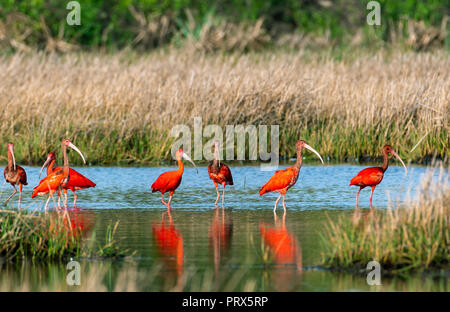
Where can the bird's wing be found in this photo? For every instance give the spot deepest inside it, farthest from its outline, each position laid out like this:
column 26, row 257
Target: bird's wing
column 280, row 180
column 368, row 176
column 50, row 182
column 78, row 180
column 226, row 172
column 166, row 181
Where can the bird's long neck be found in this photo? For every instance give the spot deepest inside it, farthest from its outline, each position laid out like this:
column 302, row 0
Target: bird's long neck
column 298, row 164
column 180, row 166
column 66, row 160
column 10, row 160
column 215, row 163
column 386, row 161
column 50, row 167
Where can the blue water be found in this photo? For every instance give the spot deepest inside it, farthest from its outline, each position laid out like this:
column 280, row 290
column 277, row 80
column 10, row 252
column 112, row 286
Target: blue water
column 318, row 187
column 322, row 193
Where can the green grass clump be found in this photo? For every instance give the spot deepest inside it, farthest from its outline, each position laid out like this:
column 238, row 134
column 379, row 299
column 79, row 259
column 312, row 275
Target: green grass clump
column 405, row 239
column 24, row 235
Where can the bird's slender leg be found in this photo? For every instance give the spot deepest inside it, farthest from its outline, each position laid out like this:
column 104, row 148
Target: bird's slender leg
column 218, row 194
column 223, row 196
column 59, row 198
column 162, row 200
column 357, row 196
column 284, row 205
column 74, row 199
column 15, row 191
column 50, row 195
column 65, row 197
column 371, row 195
column 46, row 204
column 276, row 204
column 170, row 199
column 20, row 193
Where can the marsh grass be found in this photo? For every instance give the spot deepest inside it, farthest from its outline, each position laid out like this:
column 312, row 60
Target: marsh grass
column 404, row 239
column 120, row 108
column 26, row 235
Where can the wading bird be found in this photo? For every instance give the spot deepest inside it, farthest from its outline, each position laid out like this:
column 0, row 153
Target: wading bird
column 219, row 173
column 15, row 175
column 284, row 179
column 372, row 176
column 76, row 182
column 58, row 178
column 170, row 180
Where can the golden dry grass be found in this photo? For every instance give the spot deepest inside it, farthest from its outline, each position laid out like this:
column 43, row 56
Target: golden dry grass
column 121, row 107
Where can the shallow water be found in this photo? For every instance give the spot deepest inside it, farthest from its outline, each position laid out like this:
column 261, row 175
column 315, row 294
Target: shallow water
column 239, row 248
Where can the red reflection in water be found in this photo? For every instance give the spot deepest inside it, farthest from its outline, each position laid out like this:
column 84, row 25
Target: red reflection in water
column 76, row 222
column 285, row 251
column 169, row 243
column 220, row 234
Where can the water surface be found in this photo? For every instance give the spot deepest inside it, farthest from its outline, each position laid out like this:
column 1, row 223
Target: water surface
column 241, row 247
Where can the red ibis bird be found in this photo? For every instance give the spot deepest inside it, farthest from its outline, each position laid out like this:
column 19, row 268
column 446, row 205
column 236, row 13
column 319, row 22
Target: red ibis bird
column 170, row 180
column 219, row 173
column 76, row 182
column 284, row 179
column 14, row 174
column 58, row 179
column 372, row 176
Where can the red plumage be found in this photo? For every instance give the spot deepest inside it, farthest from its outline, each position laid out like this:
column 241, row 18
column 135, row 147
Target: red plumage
column 281, row 181
column 220, row 174
column 50, row 183
column 19, row 176
column 368, row 177
column 77, row 181
column 167, row 182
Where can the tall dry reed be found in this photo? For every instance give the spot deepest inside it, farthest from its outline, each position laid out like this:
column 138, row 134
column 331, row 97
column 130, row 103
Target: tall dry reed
column 121, row 107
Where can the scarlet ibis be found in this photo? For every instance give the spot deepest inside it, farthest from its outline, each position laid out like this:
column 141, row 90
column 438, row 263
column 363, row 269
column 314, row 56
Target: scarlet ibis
column 372, row 176
column 284, row 179
column 76, row 182
column 14, row 174
column 219, row 173
column 58, row 178
column 170, row 180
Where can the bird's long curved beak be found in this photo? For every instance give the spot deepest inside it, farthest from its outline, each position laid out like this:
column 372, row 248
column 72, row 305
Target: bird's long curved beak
column 314, row 151
column 77, row 150
column 185, row 156
column 43, row 166
column 398, row 157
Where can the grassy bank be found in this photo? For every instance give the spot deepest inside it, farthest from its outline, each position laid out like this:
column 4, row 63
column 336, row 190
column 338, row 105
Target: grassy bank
column 405, row 239
column 121, row 107
column 58, row 236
